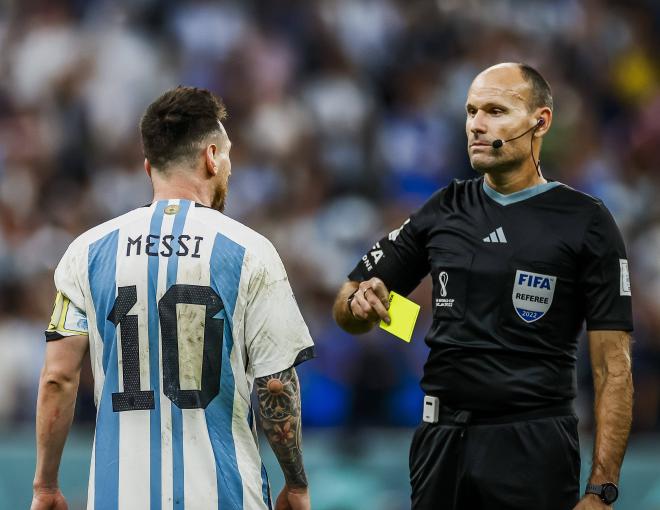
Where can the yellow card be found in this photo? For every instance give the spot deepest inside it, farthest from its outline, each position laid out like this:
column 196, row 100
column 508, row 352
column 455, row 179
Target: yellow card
column 403, row 315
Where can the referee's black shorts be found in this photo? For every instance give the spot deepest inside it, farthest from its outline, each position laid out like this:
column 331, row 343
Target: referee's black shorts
column 521, row 462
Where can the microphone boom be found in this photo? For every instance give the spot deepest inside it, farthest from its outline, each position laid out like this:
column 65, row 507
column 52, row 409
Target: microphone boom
column 497, row 144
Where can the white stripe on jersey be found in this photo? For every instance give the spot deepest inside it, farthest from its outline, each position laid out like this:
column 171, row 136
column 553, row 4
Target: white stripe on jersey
column 134, row 434
column 134, row 454
column 247, row 456
column 200, row 486
column 166, row 450
column 166, row 460
column 90, row 484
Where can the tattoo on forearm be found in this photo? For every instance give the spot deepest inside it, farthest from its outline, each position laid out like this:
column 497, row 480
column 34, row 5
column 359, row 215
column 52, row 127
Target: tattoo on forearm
column 279, row 408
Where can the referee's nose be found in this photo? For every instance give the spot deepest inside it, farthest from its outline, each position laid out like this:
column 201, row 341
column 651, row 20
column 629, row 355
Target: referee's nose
column 477, row 124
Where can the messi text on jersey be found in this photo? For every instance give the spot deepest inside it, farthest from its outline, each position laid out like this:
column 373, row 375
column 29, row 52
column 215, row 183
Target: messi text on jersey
column 166, row 246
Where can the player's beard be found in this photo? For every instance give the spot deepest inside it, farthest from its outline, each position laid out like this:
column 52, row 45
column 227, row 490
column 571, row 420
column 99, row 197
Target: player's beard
column 220, row 197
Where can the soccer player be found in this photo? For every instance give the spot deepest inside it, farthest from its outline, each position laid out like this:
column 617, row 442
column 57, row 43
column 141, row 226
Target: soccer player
column 183, row 311
column 518, row 264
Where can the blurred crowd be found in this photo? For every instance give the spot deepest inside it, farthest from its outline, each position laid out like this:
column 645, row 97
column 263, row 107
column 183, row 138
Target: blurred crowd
column 345, row 115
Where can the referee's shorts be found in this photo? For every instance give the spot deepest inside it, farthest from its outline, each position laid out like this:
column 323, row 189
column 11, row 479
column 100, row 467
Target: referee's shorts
column 524, row 461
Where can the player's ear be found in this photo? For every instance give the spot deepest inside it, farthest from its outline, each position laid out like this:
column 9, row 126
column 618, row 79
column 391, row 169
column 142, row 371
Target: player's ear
column 210, row 158
column 147, row 167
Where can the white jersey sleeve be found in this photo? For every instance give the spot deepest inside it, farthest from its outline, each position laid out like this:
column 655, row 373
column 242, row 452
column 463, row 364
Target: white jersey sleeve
column 68, row 317
column 276, row 335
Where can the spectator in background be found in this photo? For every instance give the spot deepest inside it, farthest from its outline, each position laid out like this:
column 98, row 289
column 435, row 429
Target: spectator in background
column 392, row 73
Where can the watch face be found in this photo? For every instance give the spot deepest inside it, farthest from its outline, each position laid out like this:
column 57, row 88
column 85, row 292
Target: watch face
column 610, row 493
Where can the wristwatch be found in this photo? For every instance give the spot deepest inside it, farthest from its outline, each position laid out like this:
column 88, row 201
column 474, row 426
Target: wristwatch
column 608, row 492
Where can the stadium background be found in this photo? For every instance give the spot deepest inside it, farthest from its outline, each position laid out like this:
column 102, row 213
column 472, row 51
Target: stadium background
column 345, row 115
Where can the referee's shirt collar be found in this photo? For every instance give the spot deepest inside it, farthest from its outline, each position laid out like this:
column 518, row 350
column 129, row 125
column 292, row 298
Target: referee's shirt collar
column 518, row 196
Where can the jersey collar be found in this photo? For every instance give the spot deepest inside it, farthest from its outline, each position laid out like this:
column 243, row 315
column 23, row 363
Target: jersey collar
column 518, row 196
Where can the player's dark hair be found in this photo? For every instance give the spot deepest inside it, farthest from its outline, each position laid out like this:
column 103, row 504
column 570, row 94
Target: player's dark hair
column 175, row 124
column 541, row 92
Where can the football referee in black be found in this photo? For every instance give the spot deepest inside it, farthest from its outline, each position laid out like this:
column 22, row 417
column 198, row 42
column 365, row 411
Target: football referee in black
column 518, row 264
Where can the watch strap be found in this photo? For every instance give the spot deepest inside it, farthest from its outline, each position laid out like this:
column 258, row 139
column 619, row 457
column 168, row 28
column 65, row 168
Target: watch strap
column 604, row 492
column 593, row 488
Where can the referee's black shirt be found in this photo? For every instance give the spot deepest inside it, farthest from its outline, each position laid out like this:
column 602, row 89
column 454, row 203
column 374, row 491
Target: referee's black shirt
column 514, row 276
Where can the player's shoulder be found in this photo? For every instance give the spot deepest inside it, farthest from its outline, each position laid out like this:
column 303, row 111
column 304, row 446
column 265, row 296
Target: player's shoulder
column 83, row 241
column 253, row 242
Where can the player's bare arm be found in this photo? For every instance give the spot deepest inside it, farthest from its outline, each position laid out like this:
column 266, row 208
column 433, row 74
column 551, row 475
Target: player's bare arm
column 613, row 388
column 367, row 306
column 58, row 387
column 279, row 409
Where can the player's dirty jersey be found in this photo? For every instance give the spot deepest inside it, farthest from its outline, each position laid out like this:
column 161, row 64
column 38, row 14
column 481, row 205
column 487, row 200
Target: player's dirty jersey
column 514, row 278
column 184, row 308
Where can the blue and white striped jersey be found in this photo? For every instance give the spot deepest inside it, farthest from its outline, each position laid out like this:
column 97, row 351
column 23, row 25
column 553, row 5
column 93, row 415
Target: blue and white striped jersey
column 184, row 308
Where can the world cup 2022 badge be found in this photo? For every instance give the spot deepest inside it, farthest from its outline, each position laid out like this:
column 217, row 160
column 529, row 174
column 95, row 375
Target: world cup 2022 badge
column 532, row 294
column 443, row 301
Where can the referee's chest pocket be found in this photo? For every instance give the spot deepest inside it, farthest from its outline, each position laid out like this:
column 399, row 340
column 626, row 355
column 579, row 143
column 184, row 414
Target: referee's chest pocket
column 451, row 273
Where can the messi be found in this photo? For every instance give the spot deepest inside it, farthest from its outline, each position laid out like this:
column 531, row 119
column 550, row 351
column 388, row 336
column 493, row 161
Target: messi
column 165, row 246
column 536, row 281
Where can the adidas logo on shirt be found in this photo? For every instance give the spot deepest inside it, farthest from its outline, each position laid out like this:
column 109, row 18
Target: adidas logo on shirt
column 496, row 236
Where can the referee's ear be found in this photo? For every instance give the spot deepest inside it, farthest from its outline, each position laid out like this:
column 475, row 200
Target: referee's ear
column 544, row 113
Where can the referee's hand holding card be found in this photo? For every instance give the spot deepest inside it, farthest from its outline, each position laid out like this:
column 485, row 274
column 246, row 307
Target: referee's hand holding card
column 371, row 301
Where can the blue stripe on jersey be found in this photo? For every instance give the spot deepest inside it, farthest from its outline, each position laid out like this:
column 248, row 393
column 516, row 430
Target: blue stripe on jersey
column 226, row 265
column 265, row 488
column 102, row 266
column 102, row 263
column 177, row 417
column 155, row 472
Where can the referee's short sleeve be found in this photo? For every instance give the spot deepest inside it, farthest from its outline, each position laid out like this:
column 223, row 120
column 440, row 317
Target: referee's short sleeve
column 399, row 258
column 604, row 275
column 276, row 335
column 68, row 317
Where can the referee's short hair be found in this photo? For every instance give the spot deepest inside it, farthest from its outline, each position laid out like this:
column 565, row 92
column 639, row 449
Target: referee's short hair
column 541, row 92
column 175, row 124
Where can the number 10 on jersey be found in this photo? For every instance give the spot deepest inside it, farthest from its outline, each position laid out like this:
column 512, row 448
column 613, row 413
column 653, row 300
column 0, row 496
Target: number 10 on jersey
column 209, row 349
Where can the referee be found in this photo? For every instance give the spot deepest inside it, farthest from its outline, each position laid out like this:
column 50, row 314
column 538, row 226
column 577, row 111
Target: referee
column 518, row 264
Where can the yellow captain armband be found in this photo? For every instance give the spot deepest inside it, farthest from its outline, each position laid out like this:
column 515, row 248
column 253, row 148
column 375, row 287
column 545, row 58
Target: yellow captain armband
column 66, row 319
